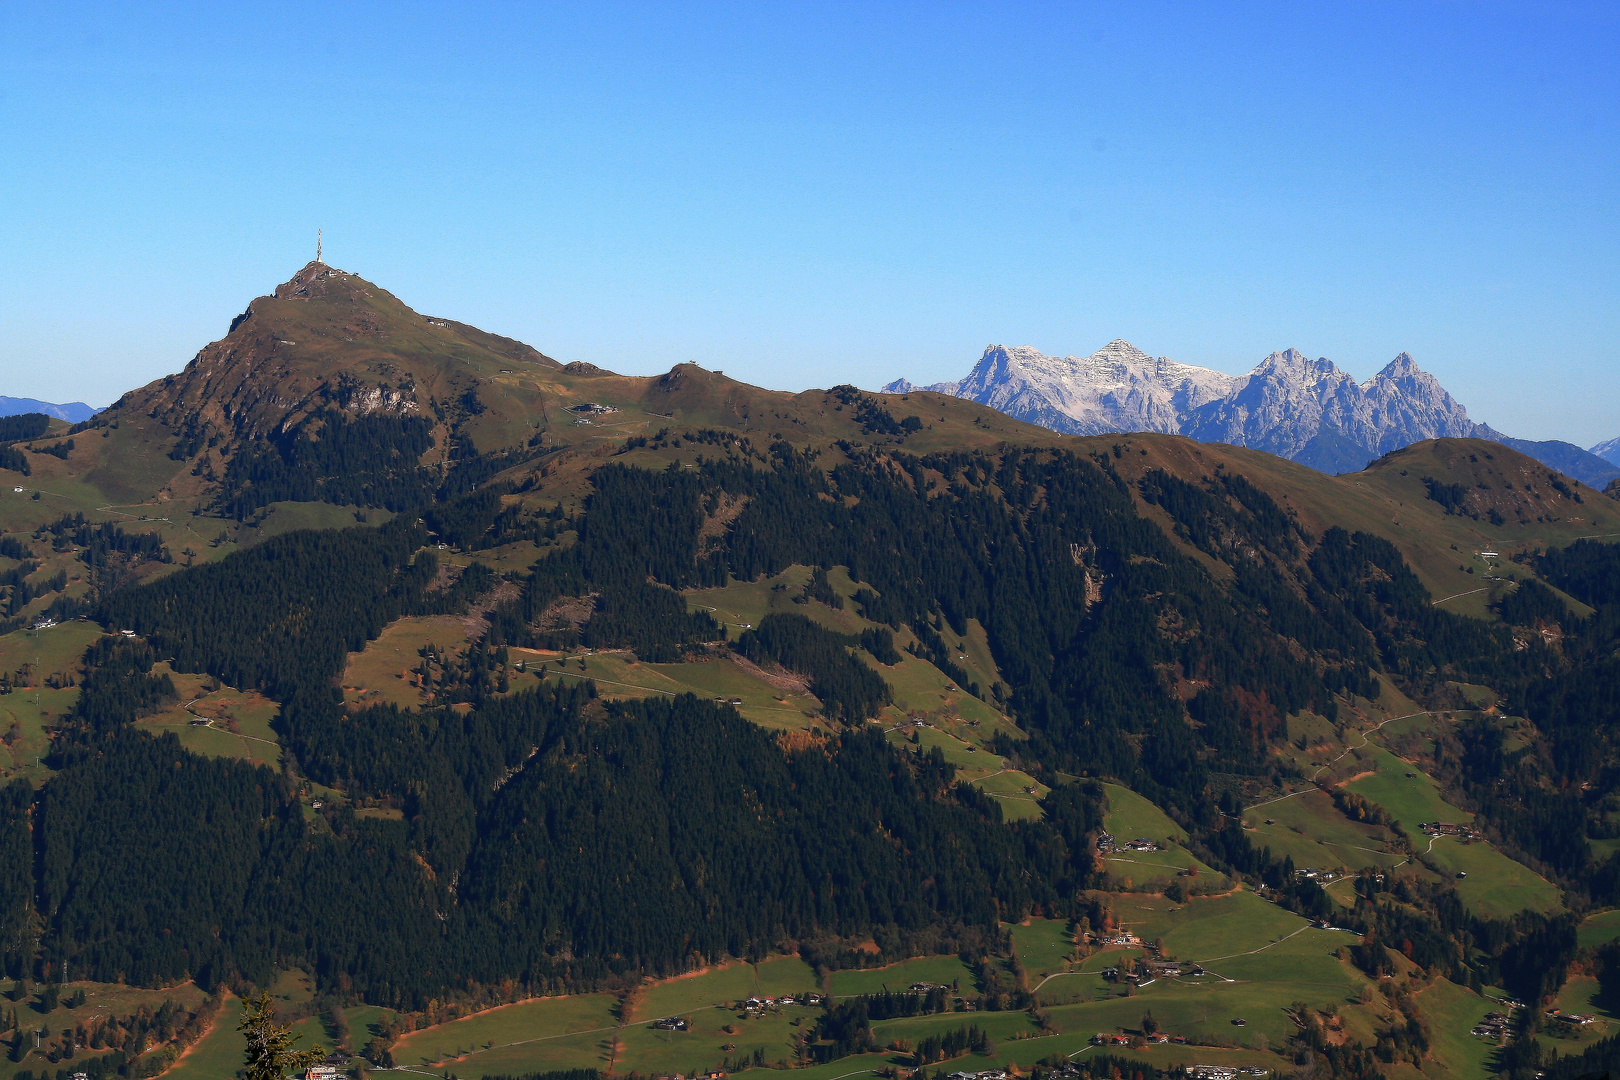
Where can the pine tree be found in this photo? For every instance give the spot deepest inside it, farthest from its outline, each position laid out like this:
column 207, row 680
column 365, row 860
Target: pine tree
column 269, row 1054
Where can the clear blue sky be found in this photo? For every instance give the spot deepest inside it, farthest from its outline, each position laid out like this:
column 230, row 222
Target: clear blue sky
column 811, row 194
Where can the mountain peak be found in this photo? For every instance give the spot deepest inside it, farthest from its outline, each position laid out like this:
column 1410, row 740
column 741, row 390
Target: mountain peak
column 313, row 279
column 1403, row 364
column 1402, row 367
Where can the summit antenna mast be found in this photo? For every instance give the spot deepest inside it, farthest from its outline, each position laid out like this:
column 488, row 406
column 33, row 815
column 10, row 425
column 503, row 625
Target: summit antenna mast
column 318, row 246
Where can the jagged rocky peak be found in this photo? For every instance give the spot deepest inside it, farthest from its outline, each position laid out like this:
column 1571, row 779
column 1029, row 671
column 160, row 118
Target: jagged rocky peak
column 1117, row 388
column 1291, row 368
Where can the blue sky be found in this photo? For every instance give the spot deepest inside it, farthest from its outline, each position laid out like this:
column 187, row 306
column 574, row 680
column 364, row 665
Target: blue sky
column 804, row 195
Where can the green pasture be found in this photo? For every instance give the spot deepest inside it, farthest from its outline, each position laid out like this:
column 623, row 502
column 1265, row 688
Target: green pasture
column 1209, row 926
column 645, row 1049
column 1198, row 1009
column 25, row 714
column 539, row 1031
column 750, row 601
column 378, row 673
column 216, row 742
column 1258, row 988
column 943, row 970
column 919, row 688
column 1309, row 957
column 859, row 1067
column 1000, row 1026
column 1008, row 788
column 1452, row 1011
column 1156, row 869
column 286, row 517
column 1042, row 946
column 249, row 714
column 723, row 986
column 1131, row 816
column 973, row 761
column 1410, row 800
column 1496, row 885
column 1582, row 994
column 724, row 677
column 1596, row 929
column 57, row 649
column 1310, row 830
column 1603, row 848
column 619, row 678
column 588, row 1050
column 218, row 1054
column 101, row 1000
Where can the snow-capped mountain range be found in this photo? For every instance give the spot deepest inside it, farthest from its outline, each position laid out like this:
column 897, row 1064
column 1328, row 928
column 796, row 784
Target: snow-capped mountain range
column 1307, row 410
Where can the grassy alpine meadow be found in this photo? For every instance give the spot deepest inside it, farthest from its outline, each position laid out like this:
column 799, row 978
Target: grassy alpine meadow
column 1204, row 1007
column 1582, row 994
column 858, row 1067
column 940, row 970
column 770, row 1036
column 1018, row 793
column 1308, row 957
column 1309, row 829
column 1596, row 929
column 621, row 678
column 536, row 1032
column 1131, row 816
column 1488, row 881
column 744, row 604
column 723, row 677
column 1043, row 946
column 1000, row 1026
column 219, row 1052
column 921, row 689
column 1210, row 926
column 30, row 657
column 218, row 721
column 972, row 761
column 1452, row 1011
column 1156, row 869
column 722, row 986
column 101, row 1000
column 380, row 673
column 1409, row 795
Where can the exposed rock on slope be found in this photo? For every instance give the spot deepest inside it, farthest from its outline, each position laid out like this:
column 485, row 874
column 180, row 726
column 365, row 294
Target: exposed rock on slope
column 1117, row 388
column 1306, row 410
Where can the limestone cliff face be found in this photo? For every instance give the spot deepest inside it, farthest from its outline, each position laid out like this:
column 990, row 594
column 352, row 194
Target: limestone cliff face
column 1306, row 410
column 1117, row 388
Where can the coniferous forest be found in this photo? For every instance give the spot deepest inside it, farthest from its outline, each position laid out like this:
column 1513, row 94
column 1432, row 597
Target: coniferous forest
column 554, row 840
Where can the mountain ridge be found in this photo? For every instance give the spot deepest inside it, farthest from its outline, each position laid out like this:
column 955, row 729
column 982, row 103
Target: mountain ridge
column 1308, row 410
column 1609, row 451
column 74, row 412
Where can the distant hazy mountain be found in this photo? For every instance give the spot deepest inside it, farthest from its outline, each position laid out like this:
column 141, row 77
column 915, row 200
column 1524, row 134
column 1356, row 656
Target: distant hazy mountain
column 1608, row 451
column 1307, row 410
column 73, row 412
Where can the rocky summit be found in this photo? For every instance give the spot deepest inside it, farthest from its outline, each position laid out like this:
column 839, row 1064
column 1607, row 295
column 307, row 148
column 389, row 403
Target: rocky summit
column 1310, row 411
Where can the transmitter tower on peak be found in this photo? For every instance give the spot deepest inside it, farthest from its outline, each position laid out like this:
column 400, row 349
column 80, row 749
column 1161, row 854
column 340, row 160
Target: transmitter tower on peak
column 318, row 247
